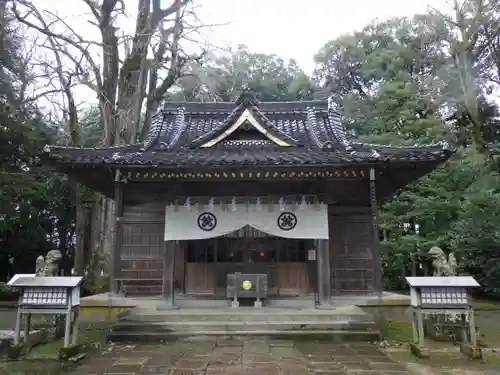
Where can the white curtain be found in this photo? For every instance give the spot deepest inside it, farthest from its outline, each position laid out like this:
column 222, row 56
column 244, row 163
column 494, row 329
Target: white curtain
column 288, row 221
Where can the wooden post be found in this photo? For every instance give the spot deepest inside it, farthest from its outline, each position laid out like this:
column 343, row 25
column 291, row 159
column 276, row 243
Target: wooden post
column 463, row 331
column 414, row 324
column 323, row 266
column 17, row 332
column 377, row 265
column 74, row 338
column 26, row 331
column 472, row 329
column 420, row 327
column 168, row 290
column 67, row 328
column 116, row 256
column 258, row 302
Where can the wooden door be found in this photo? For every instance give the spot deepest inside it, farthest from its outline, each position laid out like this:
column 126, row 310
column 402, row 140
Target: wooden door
column 293, row 267
column 200, row 261
column 284, row 261
column 200, row 278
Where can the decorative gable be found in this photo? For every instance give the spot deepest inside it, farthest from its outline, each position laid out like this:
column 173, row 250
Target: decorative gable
column 246, row 122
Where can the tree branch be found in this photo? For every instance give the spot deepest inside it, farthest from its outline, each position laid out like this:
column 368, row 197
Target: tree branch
column 47, row 32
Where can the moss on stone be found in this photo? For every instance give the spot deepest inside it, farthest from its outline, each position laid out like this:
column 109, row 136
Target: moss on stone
column 418, row 351
column 14, row 351
column 400, row 331
column 69, row 352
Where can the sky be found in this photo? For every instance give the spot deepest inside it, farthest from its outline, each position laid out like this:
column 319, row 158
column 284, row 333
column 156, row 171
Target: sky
column 298, row 29
column 287, row 28
column 290, row 29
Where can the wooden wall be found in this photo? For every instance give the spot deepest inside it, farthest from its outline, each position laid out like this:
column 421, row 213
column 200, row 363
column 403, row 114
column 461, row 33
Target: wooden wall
column 351, row 251
column 141, row 258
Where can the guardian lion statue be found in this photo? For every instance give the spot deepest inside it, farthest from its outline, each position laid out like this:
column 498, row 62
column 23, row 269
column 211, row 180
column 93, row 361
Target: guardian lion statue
column 441, row 265
column 48, row 266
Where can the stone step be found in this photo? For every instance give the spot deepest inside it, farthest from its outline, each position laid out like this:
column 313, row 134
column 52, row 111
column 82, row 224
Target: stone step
column 202, row 303
column 242, row 326
column 150, row 324
column 131, row 289
column 151, row 318
column 290, row 302
column 327, row 335
column 246, row 314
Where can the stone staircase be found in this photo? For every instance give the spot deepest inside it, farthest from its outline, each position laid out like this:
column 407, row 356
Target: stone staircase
column 147, row 324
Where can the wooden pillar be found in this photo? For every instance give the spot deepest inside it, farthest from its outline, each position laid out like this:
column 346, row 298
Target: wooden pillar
column 117, row 248
column 168, row 291
column 323, row 268
column 377, row 264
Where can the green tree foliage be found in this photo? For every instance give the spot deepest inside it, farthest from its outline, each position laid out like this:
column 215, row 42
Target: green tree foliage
column 222, row 77
column 398, row 83
column 385, row 78
column 36, row 213
column 475, row 236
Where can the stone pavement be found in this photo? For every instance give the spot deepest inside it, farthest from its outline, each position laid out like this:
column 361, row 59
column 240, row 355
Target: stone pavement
column 242, row 357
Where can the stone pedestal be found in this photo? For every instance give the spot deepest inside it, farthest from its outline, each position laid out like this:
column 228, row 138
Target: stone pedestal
column 419, row 351
column 166, row 307
column 471, row 351
column 325, row 306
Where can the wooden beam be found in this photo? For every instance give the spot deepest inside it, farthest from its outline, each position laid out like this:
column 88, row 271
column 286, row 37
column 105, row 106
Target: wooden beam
column 116, row 256
column 330, row 192
column 323, row 266
column 377, row 264
column 245, row 173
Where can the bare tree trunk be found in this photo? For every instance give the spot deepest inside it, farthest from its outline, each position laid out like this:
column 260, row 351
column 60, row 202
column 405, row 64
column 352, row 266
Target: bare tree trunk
column 3, row 6
column 101, row 236
column 120, row 91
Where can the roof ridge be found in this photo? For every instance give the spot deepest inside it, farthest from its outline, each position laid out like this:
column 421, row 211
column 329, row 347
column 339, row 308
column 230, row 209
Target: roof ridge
column 180, row 126
column 313, row 125
column 226, row 107
column 338, row 127
column 442, row 144
column 218, row 130
column 154, row 130
column 268, row 123
column 48, row 147
column 179, row 102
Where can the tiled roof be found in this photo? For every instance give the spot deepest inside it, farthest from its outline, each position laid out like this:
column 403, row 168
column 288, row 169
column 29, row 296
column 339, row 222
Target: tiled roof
column 246, row 155
column 314, row 131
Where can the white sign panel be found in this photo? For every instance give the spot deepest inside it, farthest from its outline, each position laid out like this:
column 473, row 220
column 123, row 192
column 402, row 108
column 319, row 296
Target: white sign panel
column 199, row 222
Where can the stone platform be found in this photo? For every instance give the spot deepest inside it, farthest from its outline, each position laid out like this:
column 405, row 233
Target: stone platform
column 108, row 300
column 242, row 357
column 350, row 318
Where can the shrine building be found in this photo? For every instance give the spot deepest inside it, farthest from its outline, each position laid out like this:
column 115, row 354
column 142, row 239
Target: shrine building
column 269, row 188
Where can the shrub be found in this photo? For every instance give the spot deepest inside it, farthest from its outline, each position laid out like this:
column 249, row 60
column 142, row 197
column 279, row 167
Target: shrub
column 7, row 293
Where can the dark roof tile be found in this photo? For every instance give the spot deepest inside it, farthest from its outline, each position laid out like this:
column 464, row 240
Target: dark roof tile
column 251, row 155
column 315, row 131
